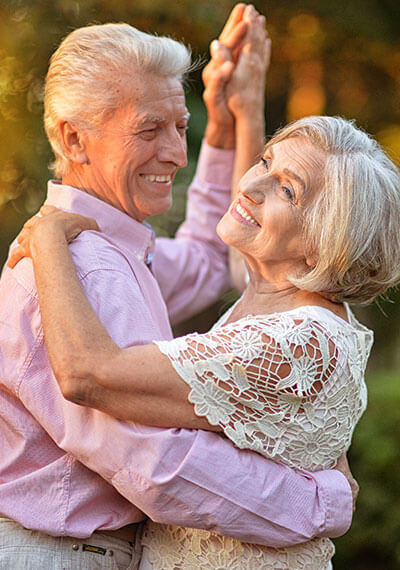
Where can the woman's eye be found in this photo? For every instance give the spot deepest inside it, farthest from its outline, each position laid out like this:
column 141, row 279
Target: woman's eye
column 288, row 193
column 266, row 162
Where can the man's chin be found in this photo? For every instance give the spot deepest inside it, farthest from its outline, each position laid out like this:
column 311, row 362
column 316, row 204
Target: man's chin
column 156, row 209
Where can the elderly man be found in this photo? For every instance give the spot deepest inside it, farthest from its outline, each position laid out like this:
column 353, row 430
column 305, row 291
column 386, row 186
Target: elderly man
column 74, row 483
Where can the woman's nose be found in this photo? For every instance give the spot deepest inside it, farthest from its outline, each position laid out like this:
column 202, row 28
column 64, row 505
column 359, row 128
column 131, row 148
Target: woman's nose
column 255, row 186
column 252, row 193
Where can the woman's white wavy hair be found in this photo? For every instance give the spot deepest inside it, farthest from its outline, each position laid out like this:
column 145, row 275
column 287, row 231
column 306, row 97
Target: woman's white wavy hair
column 352, row 230
column 88, row 74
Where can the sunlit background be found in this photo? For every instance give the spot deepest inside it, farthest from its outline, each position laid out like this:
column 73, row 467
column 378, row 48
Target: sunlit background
column 335, row 57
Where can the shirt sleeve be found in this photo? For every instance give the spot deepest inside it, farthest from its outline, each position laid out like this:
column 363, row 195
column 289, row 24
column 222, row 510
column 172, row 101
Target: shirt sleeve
column 185, row 477
column 205, row 482
column 192, row 269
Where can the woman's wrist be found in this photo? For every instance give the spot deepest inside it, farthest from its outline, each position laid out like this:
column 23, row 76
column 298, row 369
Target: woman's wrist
column 251, row 129
column 248, row 109
column 44, row 234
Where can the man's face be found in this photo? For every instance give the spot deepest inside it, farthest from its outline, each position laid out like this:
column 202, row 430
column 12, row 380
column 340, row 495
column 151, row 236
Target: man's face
column 132, row 163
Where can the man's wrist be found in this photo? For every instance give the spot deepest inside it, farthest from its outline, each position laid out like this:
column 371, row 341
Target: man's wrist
column 336, row 499
column 220, row 136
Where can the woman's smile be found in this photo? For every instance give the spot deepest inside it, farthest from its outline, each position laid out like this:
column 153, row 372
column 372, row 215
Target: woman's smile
column 242, row 215
column 271, row 197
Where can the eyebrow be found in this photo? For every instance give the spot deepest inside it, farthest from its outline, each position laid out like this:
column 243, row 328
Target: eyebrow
column 155, row 119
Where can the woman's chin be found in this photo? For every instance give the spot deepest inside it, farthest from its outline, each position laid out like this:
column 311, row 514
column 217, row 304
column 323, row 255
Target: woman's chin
column 225, row 232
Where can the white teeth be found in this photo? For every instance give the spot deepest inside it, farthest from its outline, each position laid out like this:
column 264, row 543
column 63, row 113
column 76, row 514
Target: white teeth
column 245, row 215
column 154, row 178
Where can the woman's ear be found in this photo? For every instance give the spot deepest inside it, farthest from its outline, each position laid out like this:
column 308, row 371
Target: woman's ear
column 311, row 260
column 73, row 143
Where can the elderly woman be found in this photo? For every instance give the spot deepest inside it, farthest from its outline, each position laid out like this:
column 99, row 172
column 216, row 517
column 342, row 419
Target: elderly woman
column 282, row 372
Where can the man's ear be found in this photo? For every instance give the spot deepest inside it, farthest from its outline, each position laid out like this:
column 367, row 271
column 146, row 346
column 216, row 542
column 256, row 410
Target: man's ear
column 73, row 143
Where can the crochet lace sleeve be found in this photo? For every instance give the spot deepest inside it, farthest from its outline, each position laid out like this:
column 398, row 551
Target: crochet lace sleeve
column 289, row 388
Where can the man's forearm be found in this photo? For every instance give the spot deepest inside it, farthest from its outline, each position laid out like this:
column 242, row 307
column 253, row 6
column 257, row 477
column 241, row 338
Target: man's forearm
column 212, row 485
column 196, row 478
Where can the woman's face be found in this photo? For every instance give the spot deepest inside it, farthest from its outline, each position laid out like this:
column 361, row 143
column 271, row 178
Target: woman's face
column 265, row 220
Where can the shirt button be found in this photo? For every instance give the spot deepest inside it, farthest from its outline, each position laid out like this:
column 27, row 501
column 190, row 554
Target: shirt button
column 110, row 552
column 75, row 547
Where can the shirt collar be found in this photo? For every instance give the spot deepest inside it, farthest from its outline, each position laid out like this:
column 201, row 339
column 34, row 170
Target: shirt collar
column 135, row 237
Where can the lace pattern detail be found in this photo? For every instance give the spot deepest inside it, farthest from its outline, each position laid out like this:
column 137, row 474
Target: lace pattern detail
column 177, row 548
column 289, row 386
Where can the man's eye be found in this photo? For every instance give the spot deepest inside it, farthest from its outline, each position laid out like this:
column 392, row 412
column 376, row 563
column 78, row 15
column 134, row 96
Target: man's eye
column 148, row 134
column 182, row 128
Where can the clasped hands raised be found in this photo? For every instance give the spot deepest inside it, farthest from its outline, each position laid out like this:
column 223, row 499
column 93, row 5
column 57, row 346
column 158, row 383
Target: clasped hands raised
column 234, row 79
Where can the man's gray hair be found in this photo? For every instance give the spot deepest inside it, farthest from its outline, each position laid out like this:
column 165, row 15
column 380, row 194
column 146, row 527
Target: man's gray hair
column 89, row 72
column 352, row 230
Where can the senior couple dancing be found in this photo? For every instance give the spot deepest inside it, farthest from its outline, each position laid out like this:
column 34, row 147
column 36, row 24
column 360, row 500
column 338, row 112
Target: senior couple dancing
column 224, row 443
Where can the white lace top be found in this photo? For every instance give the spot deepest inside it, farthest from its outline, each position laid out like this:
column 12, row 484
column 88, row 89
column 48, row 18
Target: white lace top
column 288, row 385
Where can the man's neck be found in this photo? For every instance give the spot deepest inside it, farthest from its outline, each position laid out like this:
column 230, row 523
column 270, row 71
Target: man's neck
column 76, row 180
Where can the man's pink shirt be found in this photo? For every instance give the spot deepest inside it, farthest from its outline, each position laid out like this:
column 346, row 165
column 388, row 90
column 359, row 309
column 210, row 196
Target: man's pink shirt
column 70, row 470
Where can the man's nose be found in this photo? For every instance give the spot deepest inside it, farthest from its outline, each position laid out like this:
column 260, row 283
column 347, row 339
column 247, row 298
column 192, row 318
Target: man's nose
column 173, row 148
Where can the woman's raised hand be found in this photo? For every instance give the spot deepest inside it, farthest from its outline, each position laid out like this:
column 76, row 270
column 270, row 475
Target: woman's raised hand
column 225, row 52
column 51, row 222
column 234, row 79
column 245, row 90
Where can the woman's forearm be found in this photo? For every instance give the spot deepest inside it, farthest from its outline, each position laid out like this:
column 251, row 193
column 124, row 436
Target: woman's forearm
column 250, row 139
column 250, row 135
column 246, row 93
column 72, row 331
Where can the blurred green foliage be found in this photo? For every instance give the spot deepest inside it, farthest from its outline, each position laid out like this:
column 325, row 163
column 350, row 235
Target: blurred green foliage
column 372, row 543
column 339, row 57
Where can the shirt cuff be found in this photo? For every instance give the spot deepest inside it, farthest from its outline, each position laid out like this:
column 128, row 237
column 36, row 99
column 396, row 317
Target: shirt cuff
column 215, row 166
column 335, row 494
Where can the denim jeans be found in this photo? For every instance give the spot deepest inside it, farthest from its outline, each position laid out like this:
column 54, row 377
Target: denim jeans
column 24, row 549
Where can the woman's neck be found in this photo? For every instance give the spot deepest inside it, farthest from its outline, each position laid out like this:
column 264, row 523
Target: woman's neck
column 263, row 297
